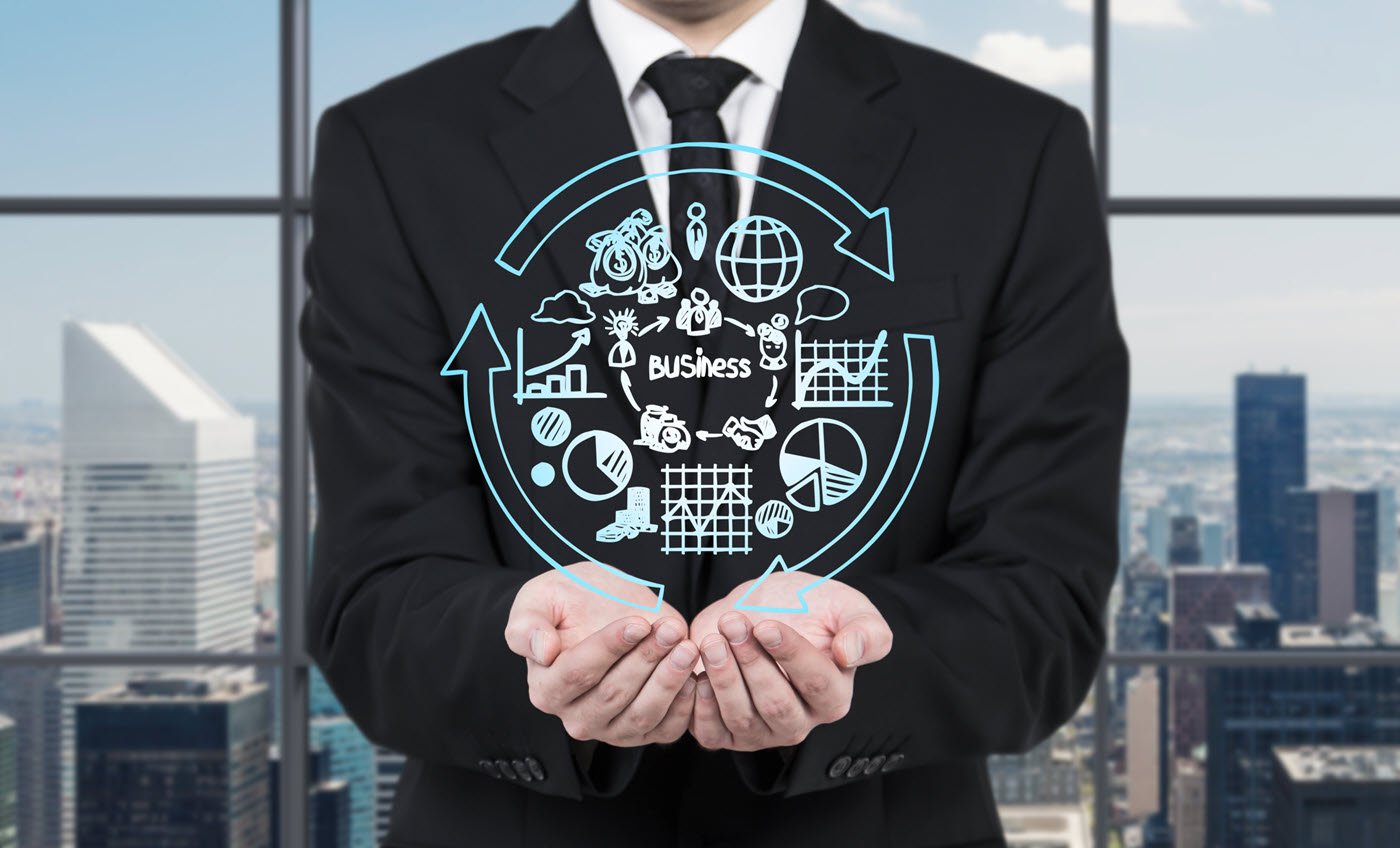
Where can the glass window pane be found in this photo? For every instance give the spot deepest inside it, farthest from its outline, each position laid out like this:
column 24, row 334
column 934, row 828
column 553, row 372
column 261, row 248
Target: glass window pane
column 1045, row 796
column 138, row 423
column 1256, row 97
column 1309, row 747
column 120, row 753
column 138, row 98
column 358, row 43
column 1045, row 45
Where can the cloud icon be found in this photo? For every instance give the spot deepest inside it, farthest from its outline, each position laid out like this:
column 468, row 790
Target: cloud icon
column 810, row 305
column 563, row 308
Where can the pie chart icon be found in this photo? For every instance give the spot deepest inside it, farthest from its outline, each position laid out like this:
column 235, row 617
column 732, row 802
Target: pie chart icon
column 822, row 462
column 597, row 465
column 773, row 519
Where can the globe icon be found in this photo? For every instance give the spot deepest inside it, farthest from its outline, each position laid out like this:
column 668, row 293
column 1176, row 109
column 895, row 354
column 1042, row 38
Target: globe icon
column 758, row 258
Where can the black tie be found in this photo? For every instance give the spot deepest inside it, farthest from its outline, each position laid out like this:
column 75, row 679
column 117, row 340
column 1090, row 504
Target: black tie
column 692, row 91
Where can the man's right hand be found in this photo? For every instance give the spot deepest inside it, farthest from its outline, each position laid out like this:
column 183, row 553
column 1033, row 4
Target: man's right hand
column 623, row 681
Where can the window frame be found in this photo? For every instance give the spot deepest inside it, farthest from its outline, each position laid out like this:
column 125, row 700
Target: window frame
column 291, row 206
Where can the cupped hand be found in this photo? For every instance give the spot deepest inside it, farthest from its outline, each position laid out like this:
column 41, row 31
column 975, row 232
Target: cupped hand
column 623, row 679
column 768, row 680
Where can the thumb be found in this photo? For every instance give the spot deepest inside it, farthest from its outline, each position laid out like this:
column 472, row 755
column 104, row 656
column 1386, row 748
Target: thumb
column 532, row 635
column 863, row 639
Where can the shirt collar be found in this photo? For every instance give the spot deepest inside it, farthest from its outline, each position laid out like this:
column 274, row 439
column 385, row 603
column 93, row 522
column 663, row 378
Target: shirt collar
column 763, row 44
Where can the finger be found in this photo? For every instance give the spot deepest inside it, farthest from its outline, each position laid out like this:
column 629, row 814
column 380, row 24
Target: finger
column 825, row 688
column 731, row 693
column 863, row 639
column 622, row 683
column 531, row 634
column 579, row 669
column 773, row 697
column 677, row 717
column 706, row 723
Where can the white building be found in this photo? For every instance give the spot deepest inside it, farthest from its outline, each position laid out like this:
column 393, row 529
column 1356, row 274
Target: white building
column 158, row 509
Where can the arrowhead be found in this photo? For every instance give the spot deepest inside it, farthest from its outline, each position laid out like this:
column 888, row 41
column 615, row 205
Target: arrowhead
column 878, row 256
column 584, row 337
column 480, row 332
column 789, row 600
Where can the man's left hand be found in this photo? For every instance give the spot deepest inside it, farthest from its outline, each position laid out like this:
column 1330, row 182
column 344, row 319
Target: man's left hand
column 768, row 681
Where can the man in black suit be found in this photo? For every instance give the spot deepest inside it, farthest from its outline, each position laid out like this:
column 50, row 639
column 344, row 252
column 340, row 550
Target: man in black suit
column 975, row 617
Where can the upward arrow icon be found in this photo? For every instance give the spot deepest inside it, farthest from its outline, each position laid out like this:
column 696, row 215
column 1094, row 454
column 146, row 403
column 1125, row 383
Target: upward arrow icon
column 480, row 350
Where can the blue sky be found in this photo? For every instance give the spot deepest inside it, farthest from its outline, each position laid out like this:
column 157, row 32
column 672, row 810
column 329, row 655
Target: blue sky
column 1264, row 97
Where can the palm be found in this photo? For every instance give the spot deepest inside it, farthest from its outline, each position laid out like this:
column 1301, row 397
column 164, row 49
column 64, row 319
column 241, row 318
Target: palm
column 828, row 607
column 581, row 612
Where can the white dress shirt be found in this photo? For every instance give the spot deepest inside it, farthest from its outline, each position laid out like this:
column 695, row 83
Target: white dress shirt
column 763, row 44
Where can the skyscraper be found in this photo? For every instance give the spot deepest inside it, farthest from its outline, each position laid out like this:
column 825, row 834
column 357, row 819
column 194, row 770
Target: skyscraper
column 388, row 766
column 29, row 695
column 1386, row 530
column 1336, row 795
column 1252, row 709
column 158, row 504
column 1125, row 527
column 1158, row 532
column 1213, row 543
column 179, row 762
column 1270, row 457
column 328, row 803
column 1143, row 743
column 21, row 578
column 9, row 783
column 349, row 757
column 158, row 509
column 1202, row 596
column 1185, row 545
column 1331, row 562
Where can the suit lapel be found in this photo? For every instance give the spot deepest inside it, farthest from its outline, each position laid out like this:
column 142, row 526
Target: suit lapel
column 825, row 120
column 576, row 121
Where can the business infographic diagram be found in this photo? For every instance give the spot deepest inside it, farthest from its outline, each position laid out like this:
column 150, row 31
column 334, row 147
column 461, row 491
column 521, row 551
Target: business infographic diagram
column 807, row 444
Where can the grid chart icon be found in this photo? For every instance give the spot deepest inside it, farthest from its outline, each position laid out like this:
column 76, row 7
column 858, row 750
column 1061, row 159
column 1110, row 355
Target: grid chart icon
column 841, row 373
column 706, row 509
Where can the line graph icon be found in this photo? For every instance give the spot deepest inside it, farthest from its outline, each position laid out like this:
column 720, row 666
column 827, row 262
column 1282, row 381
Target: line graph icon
column 707, row 509
column 841, row 373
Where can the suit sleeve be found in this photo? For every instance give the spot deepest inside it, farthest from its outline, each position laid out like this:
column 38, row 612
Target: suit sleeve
column 408, row 596
column 998, row 638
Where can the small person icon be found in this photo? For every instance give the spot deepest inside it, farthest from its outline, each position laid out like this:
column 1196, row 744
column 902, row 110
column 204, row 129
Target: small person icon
column 773, row 343
column 622, row 325
column 696, row 231
column 698, row 313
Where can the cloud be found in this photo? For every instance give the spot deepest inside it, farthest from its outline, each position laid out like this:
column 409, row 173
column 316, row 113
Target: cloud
column 889, row 13
column 1031, row 60
column 1147, row 13
column 1254, row 7
column 563, row 308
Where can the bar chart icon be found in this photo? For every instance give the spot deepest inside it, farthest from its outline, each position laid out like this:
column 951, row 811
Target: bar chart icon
column 568, row 381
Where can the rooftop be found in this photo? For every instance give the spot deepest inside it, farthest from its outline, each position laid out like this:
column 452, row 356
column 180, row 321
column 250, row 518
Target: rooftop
column 1340, row 763
column 166, row 689
column 159, row 370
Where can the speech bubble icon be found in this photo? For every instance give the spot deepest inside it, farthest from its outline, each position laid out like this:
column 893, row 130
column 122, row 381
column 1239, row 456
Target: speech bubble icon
column 821, row 303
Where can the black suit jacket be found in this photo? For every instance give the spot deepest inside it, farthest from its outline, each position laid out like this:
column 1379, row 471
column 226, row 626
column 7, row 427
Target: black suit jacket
column 994, row 577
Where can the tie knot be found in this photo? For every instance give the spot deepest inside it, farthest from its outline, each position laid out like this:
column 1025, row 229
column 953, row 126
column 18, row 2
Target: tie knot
column 697, row 83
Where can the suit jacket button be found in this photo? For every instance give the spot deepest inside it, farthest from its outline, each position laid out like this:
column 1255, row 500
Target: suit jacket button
column 838, row 766
column 875, row 763
column 893, row 762
column 535, row 768
column 489, row 767
column 858, row 767
column 521, row 771
column 504, row 768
